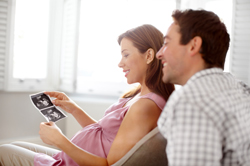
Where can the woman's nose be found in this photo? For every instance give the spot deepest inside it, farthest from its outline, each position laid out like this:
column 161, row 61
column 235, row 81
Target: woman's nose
column 120, row 64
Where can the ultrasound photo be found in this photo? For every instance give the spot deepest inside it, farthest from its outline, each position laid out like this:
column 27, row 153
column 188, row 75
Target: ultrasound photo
column 52, row 114
column 45, row 106
column 41, row 100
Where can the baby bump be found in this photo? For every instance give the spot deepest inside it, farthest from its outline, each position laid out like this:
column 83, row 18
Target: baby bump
column 94, row 139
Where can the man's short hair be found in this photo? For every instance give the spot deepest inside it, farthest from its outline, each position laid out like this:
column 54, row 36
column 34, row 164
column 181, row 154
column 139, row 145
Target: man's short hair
column 208, row 26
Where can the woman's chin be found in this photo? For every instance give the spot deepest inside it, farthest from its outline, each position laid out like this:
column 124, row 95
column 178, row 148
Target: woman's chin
column 129, row 81
column 132, row 82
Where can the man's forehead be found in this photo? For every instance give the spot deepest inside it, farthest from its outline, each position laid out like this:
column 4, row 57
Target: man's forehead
column 168, row 34
column 173, row 28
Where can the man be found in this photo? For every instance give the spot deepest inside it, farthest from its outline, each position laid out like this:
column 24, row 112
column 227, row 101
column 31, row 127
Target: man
column 207, row 121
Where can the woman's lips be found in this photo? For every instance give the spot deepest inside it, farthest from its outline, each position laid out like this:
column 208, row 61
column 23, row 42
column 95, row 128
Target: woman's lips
column 126, row 72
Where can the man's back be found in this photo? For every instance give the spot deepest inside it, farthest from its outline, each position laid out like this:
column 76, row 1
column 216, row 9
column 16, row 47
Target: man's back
column 207, row 122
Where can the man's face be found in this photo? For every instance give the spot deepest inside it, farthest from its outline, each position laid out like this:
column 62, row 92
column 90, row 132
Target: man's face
column 173, row 56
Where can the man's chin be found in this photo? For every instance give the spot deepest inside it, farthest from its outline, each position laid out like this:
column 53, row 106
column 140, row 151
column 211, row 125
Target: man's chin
column 165, row 79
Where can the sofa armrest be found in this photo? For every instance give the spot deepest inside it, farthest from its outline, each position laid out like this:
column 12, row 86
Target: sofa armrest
column 149, row 151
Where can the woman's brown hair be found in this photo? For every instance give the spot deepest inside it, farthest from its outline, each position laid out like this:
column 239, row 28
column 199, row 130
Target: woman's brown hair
column 143, row 38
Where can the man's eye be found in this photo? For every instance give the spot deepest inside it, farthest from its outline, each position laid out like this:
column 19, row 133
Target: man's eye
column 164, row 44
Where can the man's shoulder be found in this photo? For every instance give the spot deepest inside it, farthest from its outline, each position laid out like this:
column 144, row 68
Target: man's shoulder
column 215, row 95
column 215, row 85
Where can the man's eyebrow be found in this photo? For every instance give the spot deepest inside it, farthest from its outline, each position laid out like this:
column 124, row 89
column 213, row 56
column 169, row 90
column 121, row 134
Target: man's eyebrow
column 166, row 37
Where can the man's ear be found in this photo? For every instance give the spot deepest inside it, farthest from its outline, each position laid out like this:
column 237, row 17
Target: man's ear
column 150, row 55
column 195, row 45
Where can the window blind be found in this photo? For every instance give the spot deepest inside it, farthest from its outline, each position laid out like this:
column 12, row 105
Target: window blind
column 69, row 45
column 3, row 39
column 240, row 41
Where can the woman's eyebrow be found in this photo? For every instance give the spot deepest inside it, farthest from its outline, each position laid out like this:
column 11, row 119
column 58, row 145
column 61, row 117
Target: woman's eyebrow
column 123, row 50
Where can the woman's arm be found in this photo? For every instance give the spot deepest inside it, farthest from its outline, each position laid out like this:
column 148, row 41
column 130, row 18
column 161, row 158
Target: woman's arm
column 140, row 119
column 80, row 156
column 68, row 105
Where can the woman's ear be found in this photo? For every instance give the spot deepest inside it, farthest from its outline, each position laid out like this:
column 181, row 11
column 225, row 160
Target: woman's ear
column 195, row 45
column 150, row 55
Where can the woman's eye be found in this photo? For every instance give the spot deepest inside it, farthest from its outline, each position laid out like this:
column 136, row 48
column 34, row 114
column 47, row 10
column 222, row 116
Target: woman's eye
column 125, row 55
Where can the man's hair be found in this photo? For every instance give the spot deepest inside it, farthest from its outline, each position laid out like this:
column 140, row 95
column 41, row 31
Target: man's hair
column 208, row 26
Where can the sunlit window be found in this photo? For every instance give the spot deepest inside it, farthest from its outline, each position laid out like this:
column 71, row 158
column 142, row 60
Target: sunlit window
column 101, row 22
column 31, row 39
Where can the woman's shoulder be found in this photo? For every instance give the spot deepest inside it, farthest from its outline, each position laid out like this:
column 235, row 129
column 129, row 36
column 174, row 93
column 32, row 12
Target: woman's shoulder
column 143, row 111
column 147, row 105
column 144, row 105
column 157, row 99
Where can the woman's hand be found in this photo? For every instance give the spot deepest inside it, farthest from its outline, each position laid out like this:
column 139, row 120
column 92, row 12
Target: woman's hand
column 50, row 133
column 63, row 101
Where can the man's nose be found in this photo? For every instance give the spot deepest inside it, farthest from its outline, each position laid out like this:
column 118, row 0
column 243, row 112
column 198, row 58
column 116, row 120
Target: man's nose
column 159, row 54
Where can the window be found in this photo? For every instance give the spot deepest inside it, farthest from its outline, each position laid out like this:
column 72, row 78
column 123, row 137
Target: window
column 4, row 27
column 28, row 45
column 71, row 45
column 101, row 22
column 31, row 39
column 31, row 56
column 240, row 41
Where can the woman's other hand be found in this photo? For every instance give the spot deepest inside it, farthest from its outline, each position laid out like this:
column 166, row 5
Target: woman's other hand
column 50, row 133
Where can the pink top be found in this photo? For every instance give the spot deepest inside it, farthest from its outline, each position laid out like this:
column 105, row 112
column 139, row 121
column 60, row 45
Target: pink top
column 96, row 138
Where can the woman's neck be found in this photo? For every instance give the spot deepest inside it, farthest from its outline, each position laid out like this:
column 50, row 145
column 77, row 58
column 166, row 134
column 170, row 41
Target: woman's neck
column 144, row 90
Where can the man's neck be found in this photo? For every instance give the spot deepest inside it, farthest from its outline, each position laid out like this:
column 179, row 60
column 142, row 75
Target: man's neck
column 195, row 67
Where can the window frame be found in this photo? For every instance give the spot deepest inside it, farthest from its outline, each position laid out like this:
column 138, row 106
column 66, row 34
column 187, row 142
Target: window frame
column 51, row 82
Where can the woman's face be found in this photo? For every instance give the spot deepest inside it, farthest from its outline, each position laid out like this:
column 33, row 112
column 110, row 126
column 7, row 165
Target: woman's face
column 133, row 63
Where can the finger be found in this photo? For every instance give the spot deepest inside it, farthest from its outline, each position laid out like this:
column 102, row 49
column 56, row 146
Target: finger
column 48, row 124
column 56, row 102
column 55, row 94
column 44, row 124
column 60, row 103
column 51, row 123
column 52, row 93
column 48, row 93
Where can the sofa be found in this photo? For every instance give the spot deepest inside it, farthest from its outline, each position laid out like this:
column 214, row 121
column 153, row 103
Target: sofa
column 149, row 151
